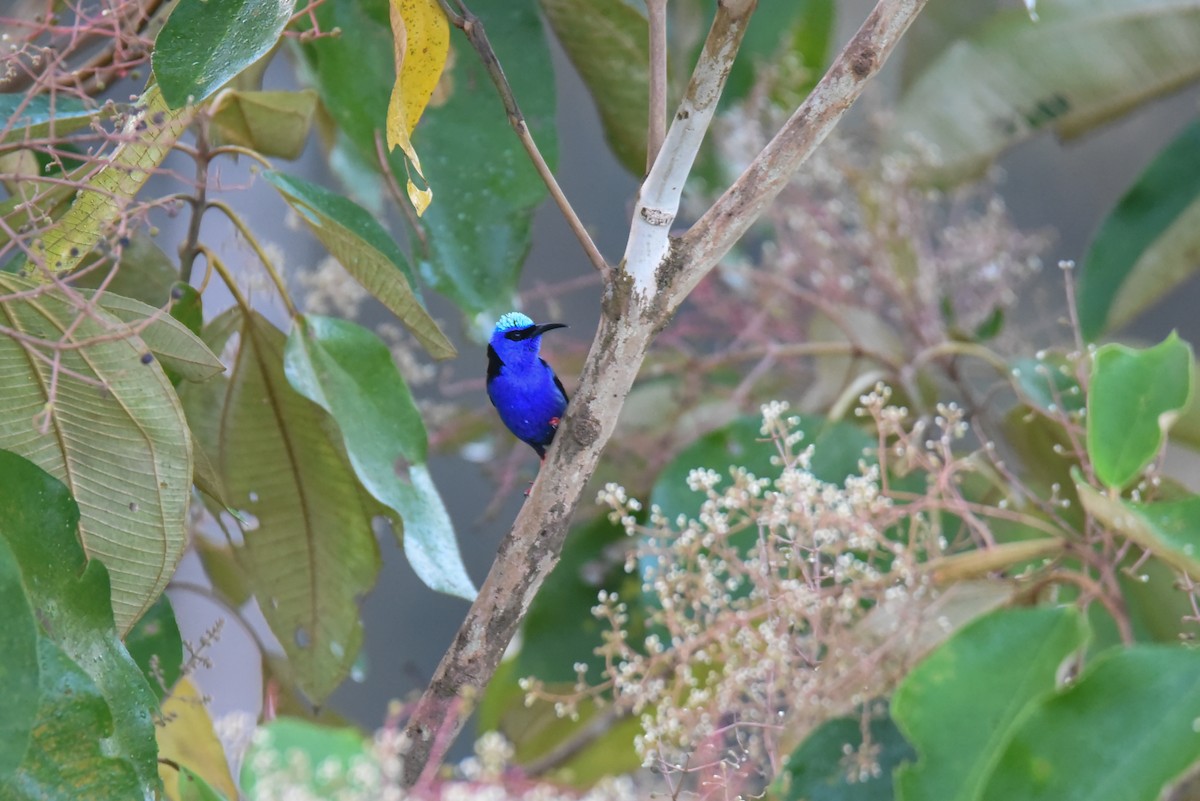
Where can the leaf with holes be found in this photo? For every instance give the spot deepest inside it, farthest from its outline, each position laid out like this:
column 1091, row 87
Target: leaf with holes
column 107, row 425
column 309, row 551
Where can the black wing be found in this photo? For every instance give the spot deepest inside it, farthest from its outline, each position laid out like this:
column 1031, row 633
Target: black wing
column 494, row 363
column 553, row 375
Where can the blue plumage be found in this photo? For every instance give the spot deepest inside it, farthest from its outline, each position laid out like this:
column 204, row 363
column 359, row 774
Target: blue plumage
column 523, row 388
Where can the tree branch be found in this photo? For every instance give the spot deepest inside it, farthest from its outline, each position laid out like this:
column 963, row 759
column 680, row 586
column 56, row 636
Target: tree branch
column 656, row 13
column 735, row 211
column 658, row 200
column 471, row 25
column 633, row 311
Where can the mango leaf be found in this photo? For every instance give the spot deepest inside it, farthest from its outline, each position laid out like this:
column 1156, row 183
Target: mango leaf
column 367, row 252
column 1013, row 77
column 170, row 341
column 272, row 123
column 109, row 426
column 157, row 647
column 23, row 117
column 822, row 769
column 94, row 726
column 476, row 245
column 309, row 551
column 206, row 43
column 186, row 738
column 1149, row 244
column 961, row 705
column 285, row 754
column 1124, row 729
column 608, row 42
column 1133, row 397
column 19, row 670
column 146, row 139
column 349, row 372
column 1168, row 529
column 421, row 35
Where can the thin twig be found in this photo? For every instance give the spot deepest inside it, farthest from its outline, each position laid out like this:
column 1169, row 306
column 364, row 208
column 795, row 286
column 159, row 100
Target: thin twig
column 477, row 36
column 656, row 12
column 189, row 248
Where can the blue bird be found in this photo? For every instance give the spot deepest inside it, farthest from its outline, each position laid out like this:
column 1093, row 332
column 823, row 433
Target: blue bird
column 522, row 387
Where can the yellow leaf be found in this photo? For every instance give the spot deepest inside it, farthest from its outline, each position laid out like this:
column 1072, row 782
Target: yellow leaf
column 187, row 738
column 422, row 40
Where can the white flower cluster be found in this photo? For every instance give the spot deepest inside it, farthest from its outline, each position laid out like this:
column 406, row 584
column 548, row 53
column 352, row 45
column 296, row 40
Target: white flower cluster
column 752, row 607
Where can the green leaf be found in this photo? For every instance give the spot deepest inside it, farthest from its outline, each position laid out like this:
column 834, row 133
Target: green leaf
column 346, row 370
column 1133, row 397
column 193, row 787
column 309, row 551
column 107, row 425
column 960, row 706
column 479, row 238
column 1148, row 245
column 157, row 647
column 169, row 340
column 1168, row 529
column 1049, row 383
column 1124, row 730
column 206, row 43
column 19, row 673
column 73, row 754
column 285, row 754
column 367, row 252
column 1014, row 77
column 151, row 133
column 143, row 272
column 609, row 43
column 822, row 770
column 271, row 123
column 24, row 118
column 92, row 676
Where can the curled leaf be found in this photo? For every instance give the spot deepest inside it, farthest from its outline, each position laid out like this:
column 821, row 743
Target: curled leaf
column 422, row 41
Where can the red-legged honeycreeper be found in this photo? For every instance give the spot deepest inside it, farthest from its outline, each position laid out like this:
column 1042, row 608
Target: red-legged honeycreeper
column 522, row 387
